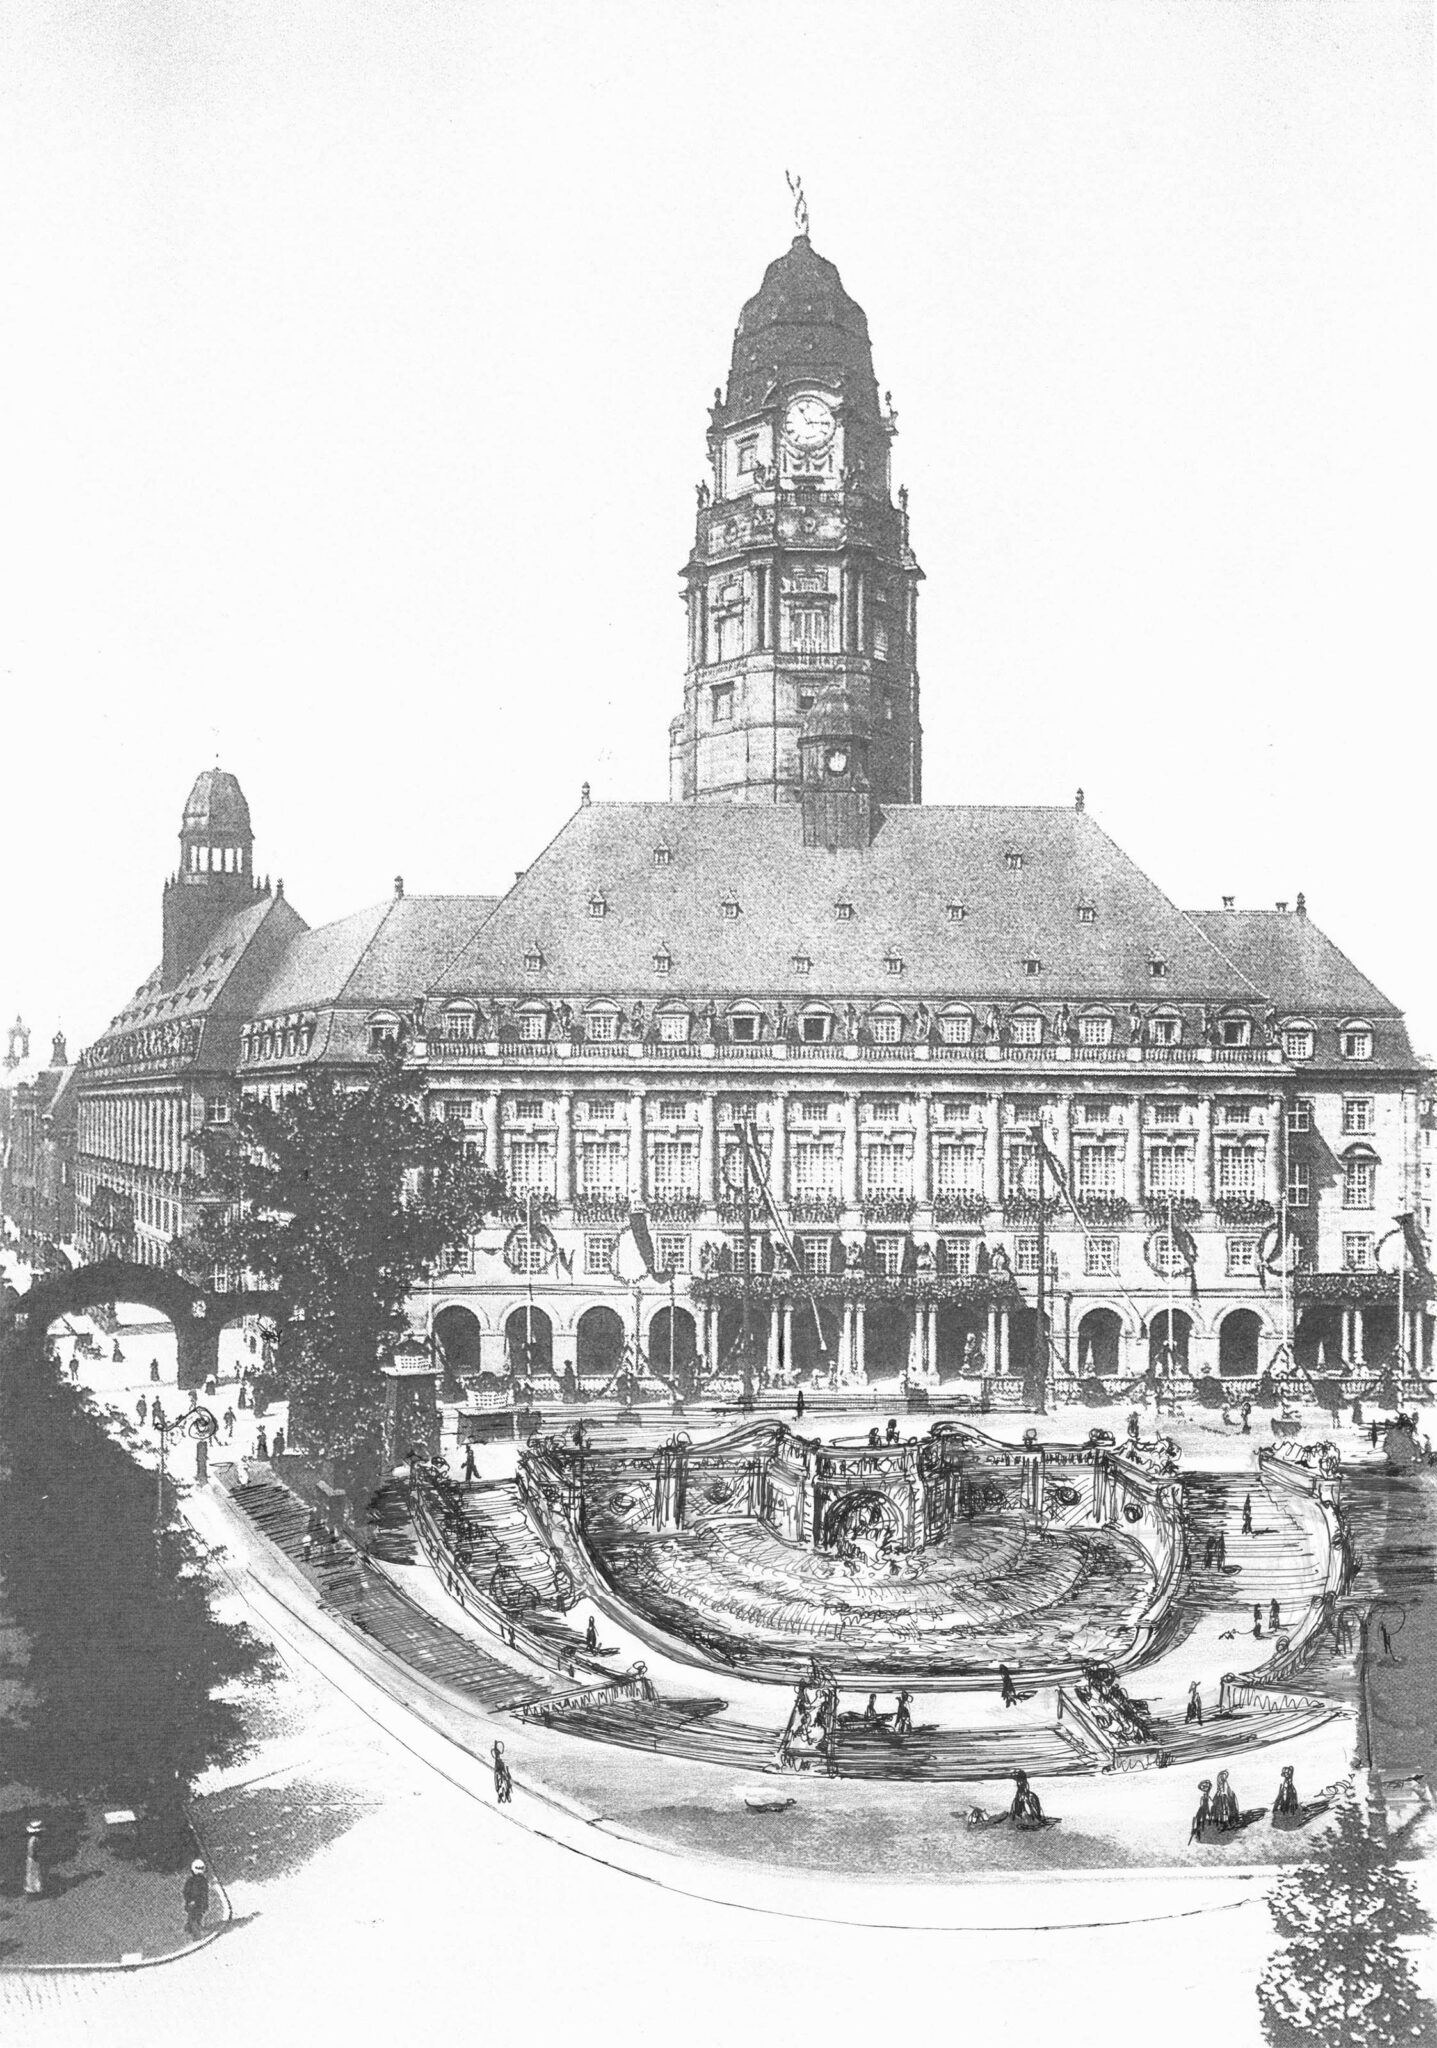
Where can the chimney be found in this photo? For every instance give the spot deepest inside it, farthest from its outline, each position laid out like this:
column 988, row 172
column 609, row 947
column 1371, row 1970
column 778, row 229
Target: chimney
column 584, row 794
column 1282, row 906
column 1078, row 801
column 58, row 1056
column 399, row 885
column 1301, row 904
column 1229, row 902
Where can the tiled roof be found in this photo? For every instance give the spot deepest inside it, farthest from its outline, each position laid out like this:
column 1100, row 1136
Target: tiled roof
column 1294, row 962
column 1018, row 875
column 202, row 985
column 801, row 320
column 390, row 952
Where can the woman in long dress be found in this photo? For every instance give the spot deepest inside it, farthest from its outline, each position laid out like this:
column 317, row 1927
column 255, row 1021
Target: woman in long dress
column 1224, row 1804
column 1286, row 1805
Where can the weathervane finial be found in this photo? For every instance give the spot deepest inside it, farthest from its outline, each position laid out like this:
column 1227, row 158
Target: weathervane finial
column 800, row 204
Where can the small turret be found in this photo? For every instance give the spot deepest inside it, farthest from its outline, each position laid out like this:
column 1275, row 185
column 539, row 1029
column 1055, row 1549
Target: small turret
column 216, row 874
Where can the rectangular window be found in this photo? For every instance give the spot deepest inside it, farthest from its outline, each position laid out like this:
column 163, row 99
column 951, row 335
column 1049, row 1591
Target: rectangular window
column 599, row 1027
column 1357, row 1251
column 887, row 1170
column 599, row 1254
column 959, row 1109
column 745, row 1257
column 1021, row 1161
column 1025, row 1258
column 808, row 628
column 816, row 1030
column 533, row 1025
column 673, row 1254
column 883, row 1112
column 1241, row 1255
column 1236, row 1112
column 743, row 1030
column 673, row 1027
column 1163, row 1030
column 888, row 1255
column 747, row 456
column 1299, row 1115
column 761, row 603
column 1099, row 1170
column 817, row 1255
column 1096, row 1112
column 957, row 1170
column 880, row 641
column 1100, row 1257
column 600, row 1109
column 1237, row 1173
column 956, row 1030
column 885, row 1029
column 955, row 1255
column 674, row 1165
column 721, row 703
column 530, row 1167
column 1357, row 1045
column 1297, row 1042
column 811, row 1109
column 815, row 1171
column 1299, row 1185
column 604, row 1167
column 522, row 1109
column 1027, row 1030
column 1358, row 1115
column 1095, row 1030
column 1167, row 1113
column 1359, row 1183
column 673, row 1109
column 1236, row 1031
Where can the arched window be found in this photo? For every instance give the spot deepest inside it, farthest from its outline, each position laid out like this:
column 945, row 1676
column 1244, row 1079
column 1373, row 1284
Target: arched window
column 1355, row 1040
column 1235, row 1029
column 744, row 1023
column 1095, row 1028
column 1359, row 1177
column 815, row 1025
column 885, row 1024
column 601, row 1023
column 1298, row 1039
column 457, row 1020
column 955, row 1026
column 1026, row 1027
column 1166, row 1028
column 382, row 1030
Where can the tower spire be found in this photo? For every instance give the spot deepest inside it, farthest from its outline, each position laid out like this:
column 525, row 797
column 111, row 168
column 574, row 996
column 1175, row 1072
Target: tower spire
column 800, row 204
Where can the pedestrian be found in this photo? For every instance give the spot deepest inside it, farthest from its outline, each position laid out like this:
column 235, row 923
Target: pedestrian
column 591, row 1636
column 279, row 1443
column 1224, row 1805
column 154, row 1369
column 1247, row 1418
column 1386, row 1638
column 891, row 1433
column 870, row 1712
column 157, row 1413
column 503, row 1782
column 242, row 1398
column 1247, row 1516
column 1257, row 1619
column 1286, row 1803
column 229, row 1424
column 261, row 1443
column 1194, row 1712
column 471, row 1470
column 197, row 1899
column 142, row 1410
column 1221, row 1551
column 1026, row 1809
column 1357, row 1415
column 306, row 1548
column 1005, row 1677
column 1209, row 1553
column 1274, row 1619
column 1203, row 1815
column 117, row 1356
column 1372, row 1432
column 798, row 1405
column 903, row 1720
column 34, row 1876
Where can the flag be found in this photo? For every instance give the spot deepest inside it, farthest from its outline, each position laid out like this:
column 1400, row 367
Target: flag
column 633, row 1254
column 1416, row 1248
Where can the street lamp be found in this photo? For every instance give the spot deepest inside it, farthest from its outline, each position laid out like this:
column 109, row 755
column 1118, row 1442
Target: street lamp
column 199, row 1426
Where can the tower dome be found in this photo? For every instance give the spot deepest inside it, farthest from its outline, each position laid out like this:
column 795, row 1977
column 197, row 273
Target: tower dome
column 801, row 323
column 216, row 805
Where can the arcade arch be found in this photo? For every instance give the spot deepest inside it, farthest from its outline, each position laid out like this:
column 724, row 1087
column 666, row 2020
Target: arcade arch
column 599, row 1343
column 1169, row 1341
column 1238, row 1338
column 528, row 1342
column 1100, row 1343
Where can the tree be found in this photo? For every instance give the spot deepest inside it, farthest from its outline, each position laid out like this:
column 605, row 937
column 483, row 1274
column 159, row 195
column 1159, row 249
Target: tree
column 340, row 1199
column 1341, row 1977
column 127, row 1679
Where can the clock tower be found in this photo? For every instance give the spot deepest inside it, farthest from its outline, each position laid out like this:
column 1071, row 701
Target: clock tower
column 801, row 589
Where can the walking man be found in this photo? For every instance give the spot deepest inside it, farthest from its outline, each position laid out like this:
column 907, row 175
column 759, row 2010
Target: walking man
column 1257, row 1619
column 261, row 1443
column 1274, row 1619
column 1247, row 1516
column 1194, row 1712
column 142, row 1410
column 229, row 1424
column 1204, row 1810
column 197, row 1899
column 1010, row 1696
column 503, row 1783
column 471, row 1470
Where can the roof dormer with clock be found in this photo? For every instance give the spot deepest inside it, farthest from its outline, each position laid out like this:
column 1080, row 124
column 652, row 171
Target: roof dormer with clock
column 801, row 588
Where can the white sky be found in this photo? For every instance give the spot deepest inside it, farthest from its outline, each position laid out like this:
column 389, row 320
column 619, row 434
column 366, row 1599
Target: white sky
column 357, row 362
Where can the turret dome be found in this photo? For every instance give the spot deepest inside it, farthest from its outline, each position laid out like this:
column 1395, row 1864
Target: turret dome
column 801, row 322
column 216, row 805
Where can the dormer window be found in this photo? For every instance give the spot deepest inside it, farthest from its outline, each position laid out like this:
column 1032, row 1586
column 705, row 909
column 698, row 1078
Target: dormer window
column 1087, row 913
column 816, row 1027
column 729, row 907
column 957, row 912
column 663, row 961
column 801, row 963
column 534, row 957
column 1027, row 1028
column 663, row 856
column 534, row 1025
column 1013, row 862
column 598, row 904
column 1297, row 1041
column 673, row 1027
column 1356, row 1041
column 956, row 1027
column 892, row 963
column 1237, row 1031
column 886, row 1028
column 843, row 910
column 1165, row 1030
column 743, row 1027
column 1032, row 964
column 1157, row 968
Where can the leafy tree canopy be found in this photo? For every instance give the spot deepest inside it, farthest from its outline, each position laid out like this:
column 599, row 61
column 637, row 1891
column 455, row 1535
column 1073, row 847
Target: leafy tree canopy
column 341, row 1199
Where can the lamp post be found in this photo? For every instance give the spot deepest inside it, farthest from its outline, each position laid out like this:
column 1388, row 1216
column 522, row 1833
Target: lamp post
column 200, row 1427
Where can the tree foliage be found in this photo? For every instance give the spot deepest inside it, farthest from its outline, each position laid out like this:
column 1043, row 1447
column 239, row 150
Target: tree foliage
column 1341, row 1978
column 122, row 1691
column 341, row 1199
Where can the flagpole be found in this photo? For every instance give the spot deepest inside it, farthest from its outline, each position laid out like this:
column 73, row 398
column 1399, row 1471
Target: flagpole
column 747, row 1138
column 1042, row 1275
column 1171, row 1346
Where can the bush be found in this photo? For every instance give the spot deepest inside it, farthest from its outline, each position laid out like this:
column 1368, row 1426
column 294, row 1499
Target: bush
column 1209, row 1392
column 1096, row 1393
column 1265, row 1395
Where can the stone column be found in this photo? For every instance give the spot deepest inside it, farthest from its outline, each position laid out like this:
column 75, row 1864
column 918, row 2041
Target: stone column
column 922, row 1149
column 990, row 1351
column 993, row 1154
column 788, row 1369
column 860, row 1346
column 493, row 1146
column 564, row 1159
column 636, row 1146
column 850, row 1153
column 1359, row 1355
column 778, row 1154
column 708, row 1112
column 773, row 1361
column 932, row 1342
column 1133, row 1152
column 1203, row 1161
column 1273, row 1161
column 1003, row 1335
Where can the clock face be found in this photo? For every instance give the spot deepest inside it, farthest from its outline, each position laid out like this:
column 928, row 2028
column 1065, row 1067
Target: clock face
column 808, row 424
column 837, row 761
